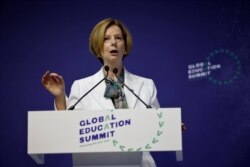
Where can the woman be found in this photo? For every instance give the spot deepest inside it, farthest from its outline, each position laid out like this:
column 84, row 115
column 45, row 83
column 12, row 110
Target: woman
column 111, row 42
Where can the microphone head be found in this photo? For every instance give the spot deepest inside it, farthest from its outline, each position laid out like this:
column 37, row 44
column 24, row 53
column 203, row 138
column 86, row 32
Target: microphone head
column 115, row 70
column 106, row 68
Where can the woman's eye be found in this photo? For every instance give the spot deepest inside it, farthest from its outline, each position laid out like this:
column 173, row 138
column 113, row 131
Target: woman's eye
column 120, row 38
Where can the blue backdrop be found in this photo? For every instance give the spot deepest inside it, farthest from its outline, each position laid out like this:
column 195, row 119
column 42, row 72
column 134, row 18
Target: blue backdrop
column 168, row 37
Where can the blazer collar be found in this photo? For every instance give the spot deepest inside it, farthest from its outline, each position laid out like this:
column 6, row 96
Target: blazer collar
column 133, row 83
column 130, row 80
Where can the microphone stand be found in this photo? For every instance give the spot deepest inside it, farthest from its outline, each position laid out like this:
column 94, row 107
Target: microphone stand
column 73, row 106
column 115, row 70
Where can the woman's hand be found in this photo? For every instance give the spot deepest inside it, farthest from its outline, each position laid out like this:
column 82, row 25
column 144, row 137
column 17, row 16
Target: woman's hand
column 54, row 83
column 183, row 127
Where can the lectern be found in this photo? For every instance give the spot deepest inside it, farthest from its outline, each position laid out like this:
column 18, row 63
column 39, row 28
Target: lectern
column 104, row 137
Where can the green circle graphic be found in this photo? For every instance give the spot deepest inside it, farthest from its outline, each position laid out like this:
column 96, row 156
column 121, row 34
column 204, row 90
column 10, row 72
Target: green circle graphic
column 236, row 60
column 148, row 145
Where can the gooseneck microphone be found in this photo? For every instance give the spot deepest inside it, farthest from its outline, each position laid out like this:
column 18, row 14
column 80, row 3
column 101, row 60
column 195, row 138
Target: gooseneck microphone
column 115, row 71
column 106, row 68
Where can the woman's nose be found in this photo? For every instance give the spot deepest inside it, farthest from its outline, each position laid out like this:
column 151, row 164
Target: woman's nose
column 113, row 41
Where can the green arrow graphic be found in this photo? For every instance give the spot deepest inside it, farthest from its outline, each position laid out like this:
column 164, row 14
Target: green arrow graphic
column 115, row 142
column 147, row 146
column 154, row 140
column 161, row 124
column 122, row 147
column 159, row 133
column 138, row 149
column 130, row 149
column 159, row 115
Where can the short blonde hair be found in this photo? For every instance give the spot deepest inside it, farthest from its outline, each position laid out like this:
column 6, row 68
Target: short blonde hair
column 97, row 35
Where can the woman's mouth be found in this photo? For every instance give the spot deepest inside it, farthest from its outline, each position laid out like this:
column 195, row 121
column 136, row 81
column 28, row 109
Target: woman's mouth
column 114, row 52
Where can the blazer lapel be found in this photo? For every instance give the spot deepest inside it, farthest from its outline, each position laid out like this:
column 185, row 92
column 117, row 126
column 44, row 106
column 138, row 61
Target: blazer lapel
column 135, row 84
column 130, row 80
column 98, row 92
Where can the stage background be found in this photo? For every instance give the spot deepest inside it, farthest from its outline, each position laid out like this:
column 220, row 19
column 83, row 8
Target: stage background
column 168, row 36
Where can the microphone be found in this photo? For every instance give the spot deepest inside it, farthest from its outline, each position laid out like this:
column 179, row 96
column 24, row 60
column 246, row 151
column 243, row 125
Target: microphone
column 106, row 68
column 115, row 71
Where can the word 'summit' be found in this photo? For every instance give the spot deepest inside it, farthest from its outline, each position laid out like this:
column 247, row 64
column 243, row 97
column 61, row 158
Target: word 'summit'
column 101, row 127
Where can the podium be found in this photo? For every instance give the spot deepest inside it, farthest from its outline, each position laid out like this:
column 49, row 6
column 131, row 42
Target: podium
column 116, row 137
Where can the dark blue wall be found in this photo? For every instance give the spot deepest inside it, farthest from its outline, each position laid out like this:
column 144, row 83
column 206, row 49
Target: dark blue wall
column 168, row 36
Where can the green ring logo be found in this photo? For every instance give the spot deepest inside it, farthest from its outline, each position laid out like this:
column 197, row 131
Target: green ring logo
column 147, row 146
column 207, row 69
column 231, row 55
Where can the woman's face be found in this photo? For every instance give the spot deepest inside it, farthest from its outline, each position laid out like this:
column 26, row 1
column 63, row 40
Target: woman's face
column 113, row 46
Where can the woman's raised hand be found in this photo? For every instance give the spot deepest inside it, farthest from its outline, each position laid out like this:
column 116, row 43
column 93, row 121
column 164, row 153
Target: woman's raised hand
column 54, row 83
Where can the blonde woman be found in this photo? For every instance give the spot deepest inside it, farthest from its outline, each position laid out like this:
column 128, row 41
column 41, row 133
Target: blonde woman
column 110, row 41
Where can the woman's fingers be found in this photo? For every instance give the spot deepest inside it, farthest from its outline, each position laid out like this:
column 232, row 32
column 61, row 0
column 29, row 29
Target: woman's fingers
column 54, row 83
column 52, row 80
column 183, row 127
column 45, row 77
column 56, row 78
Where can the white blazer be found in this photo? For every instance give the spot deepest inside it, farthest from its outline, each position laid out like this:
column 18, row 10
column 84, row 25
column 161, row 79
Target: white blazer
column 143, row 87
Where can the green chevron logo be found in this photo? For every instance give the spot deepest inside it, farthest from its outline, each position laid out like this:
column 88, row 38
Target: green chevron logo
column 155, row 139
